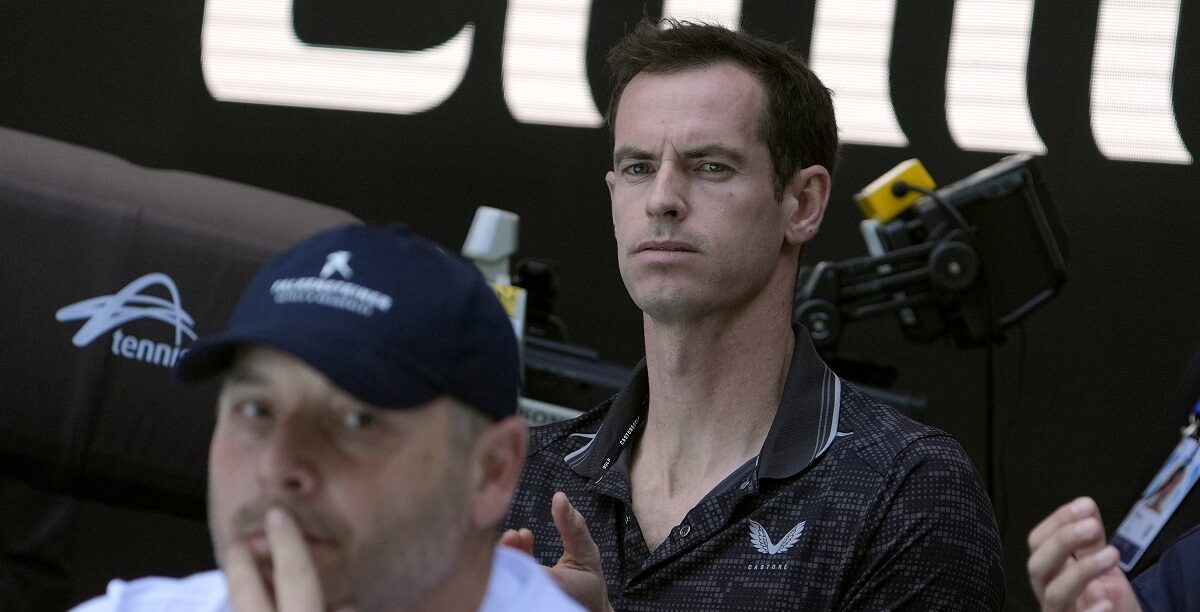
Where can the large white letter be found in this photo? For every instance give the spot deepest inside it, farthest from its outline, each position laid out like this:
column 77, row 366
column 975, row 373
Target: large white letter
column 250, row 53
column 851, row 46
column 1132, row 71
column 987, row 108
column 723, row 12
column 545, row 63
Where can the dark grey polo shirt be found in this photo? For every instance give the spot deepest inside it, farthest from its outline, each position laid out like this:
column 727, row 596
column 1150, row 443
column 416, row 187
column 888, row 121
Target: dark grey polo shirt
column 849, row 505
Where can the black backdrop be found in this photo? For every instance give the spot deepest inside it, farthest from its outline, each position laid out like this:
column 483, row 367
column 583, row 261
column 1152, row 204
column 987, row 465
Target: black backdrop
column 1085, row 393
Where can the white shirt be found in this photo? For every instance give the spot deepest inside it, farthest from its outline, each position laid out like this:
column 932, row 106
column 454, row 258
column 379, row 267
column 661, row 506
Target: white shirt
column 517, row 583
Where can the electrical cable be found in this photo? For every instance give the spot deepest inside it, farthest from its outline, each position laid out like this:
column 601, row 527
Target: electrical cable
column 989, row 419
column 901, row 188
column 1002, row 503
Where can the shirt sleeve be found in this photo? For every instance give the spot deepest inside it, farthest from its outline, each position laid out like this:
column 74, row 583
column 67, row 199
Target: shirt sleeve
column 931, row 541
column 518, row 584
column 203, row 592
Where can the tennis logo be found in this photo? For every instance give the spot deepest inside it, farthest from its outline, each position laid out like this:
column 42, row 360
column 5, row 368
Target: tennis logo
column 109, row 312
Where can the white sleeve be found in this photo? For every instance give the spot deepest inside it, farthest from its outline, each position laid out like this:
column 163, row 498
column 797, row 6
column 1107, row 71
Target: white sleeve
column 518, row 583
column 108, row 602
column 204, row 592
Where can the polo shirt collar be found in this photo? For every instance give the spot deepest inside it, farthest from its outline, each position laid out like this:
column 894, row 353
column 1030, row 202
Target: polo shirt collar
column 620, row 426
column 805, row 424
column 807, row 421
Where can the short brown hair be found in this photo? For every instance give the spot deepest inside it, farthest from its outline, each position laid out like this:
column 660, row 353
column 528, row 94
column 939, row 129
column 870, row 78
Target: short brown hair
column 798, row 123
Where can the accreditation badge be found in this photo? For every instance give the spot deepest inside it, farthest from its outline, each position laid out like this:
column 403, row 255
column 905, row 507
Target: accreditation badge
column 1160, row 499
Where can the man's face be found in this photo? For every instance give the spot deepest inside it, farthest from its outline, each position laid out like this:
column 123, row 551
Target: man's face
column 377, row 493
column 697, row 222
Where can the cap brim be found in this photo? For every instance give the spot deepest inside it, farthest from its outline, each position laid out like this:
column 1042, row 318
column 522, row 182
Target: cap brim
column 358, row 372
column 207, row 357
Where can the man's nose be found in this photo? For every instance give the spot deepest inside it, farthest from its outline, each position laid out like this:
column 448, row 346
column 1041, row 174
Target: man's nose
column 288, row 462
column 668, row 194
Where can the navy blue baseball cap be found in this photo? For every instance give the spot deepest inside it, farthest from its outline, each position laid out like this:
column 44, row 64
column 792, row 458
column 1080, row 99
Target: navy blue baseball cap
column 390, row 317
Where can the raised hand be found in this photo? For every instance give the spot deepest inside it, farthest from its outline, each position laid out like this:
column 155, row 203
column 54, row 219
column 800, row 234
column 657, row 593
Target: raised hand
column 294, row 584
column 579, row 570
column 1070, row 566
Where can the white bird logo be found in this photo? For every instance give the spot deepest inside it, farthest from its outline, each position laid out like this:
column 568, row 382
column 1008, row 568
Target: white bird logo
column 337, row 262
column 763, row 544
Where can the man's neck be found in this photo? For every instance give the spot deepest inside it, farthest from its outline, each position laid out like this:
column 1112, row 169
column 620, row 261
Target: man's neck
column 715, row 387
column 714, row 392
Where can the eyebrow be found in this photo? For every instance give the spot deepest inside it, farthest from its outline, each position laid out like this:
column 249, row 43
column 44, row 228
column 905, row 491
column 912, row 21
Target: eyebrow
column 716, row 150
column 708, row 150
column 628, row 152
column 241, row 375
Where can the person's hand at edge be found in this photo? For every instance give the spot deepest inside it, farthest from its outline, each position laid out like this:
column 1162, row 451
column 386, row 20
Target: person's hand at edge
column 579, row 570
column 520, row 539
column 1071, row 569
column 297, row 585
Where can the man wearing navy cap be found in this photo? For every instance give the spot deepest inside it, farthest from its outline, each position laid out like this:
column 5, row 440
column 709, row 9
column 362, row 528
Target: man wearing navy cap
column 366, row 446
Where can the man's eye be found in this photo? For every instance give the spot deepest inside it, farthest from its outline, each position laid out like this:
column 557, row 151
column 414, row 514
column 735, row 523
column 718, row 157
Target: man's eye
column 251, row 410
column 713, row 167
column 358, row 419
column 637, row 169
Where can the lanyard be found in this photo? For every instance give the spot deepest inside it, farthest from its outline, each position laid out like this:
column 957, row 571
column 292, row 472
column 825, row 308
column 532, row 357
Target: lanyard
column 1164, row 494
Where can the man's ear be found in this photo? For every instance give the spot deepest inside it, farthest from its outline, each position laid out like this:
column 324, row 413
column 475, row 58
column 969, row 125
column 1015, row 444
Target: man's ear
column 610, row 180
column 499, row 455
column 805, row 198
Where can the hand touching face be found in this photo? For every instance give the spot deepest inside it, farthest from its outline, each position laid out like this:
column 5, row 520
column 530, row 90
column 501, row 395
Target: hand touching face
column 379, row 504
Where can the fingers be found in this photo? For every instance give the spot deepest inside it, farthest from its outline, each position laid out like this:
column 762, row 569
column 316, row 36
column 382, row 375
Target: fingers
column 246, row 590
column 1068, row 552
column 1087, row 508
column 1077, row 509
column 1052, row 556
column 1065, row 588
column 580, row 571
column 578, row 546
column 297, row 585
column 1055, row 576
column 520, row 539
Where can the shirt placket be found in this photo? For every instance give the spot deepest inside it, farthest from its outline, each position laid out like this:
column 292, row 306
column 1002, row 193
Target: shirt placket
column 615, row 485
column 700, row 525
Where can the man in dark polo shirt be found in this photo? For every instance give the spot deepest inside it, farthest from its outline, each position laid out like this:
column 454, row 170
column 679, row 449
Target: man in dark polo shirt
column 736, row 471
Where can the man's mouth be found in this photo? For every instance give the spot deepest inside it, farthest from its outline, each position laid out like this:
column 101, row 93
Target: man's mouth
column 260, row 544
column 667, row 246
